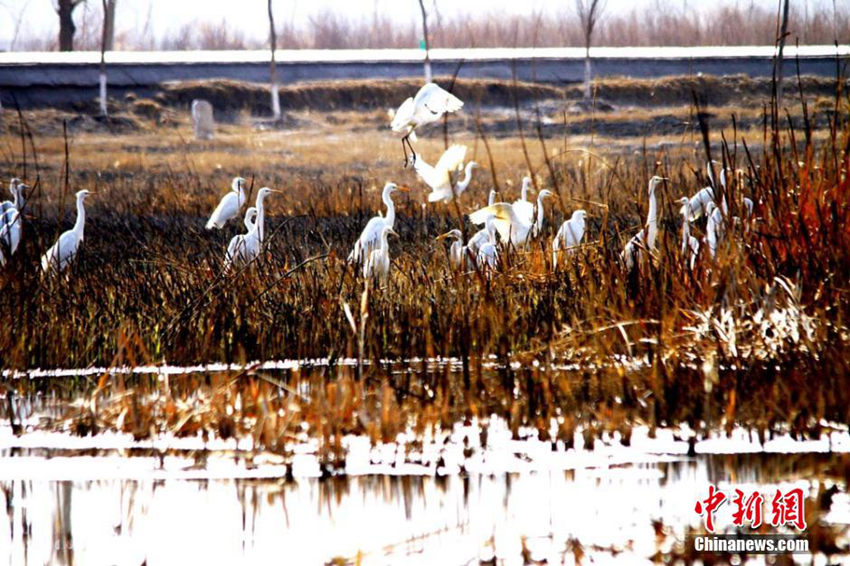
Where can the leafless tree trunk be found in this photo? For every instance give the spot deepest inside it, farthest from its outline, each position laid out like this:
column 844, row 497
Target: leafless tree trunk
column 427, row 47
column 103, row 41
column 783, row 33
column 273, row 70
column 109, row 23
column 589, row 12
column 65, row 9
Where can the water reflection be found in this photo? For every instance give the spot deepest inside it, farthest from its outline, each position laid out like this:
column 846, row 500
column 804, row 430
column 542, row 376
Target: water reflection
column 626, row 513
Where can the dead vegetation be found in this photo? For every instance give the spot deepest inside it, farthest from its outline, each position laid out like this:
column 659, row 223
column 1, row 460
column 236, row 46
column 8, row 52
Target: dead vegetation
column 661, row 345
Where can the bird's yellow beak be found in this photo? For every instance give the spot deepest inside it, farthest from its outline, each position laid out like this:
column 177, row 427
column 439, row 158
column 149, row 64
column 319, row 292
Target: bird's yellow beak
column 403, row 189
column 443, row 236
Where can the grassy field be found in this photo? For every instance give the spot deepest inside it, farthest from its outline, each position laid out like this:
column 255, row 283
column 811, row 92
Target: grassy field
column 661, row 344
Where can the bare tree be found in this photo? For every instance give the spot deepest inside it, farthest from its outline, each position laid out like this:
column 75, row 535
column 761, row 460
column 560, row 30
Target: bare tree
column 273, row 69
column 104, row 37
column 109, row 23
column 783, row 33
column 65, row 9
column 427, row 47
column 589, row 12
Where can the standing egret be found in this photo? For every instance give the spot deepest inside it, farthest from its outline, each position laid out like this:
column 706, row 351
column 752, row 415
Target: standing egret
column 11, row 221
column 569, row 235
column 510, row 225
column 429, row 105
column 229, row 206
column 487, row 256
column 715, row 228
column 377, row 265
column 524, row 207
column 370, row 237
column 261, row 212
column 241, row 247
column 439, row 177
column 457, row 251
column 645, row 239
column 16, row 187
column 62, row 253
column 690, row 245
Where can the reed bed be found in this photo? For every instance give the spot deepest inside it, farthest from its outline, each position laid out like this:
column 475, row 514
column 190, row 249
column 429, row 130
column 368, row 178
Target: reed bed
column 756, row 337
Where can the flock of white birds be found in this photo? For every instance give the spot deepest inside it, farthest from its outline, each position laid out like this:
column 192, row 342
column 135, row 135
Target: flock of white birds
column 503, row 224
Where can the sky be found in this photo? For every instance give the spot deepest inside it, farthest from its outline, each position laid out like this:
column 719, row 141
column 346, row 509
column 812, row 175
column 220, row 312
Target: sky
column 38, row 17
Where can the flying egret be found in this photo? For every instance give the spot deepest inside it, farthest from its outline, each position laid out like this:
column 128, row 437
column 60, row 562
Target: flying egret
column 690, row 245
column 371, row 234
column 62, row 253
column 439, row 177
column 229, row 206
column 645, row 239
column 377, row 265
column 569, row 235
column 240, row 250
column 457, row 251
column 11, row 221
column 429, row 105
column 523, row 207
column 510, row 225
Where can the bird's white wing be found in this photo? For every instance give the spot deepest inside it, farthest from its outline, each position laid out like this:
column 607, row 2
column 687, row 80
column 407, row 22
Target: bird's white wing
column 403, row 115
column 571, row 232
column 444, row 195
column 452, row 158
column 227, row 208
column 524, row 210
column 437, row 100
column 368, row 239
column 234, row 249
column 699, row 202
column 503, row 214
column 432, row 176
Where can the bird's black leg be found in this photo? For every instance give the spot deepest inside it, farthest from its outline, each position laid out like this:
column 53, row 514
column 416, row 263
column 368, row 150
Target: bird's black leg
column 404, row 149
column 412, row 151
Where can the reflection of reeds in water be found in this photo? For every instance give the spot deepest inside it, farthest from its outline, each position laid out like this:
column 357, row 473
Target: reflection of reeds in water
column 773, row 304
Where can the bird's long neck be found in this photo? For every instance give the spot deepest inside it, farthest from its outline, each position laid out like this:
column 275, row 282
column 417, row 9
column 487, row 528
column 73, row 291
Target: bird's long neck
column 652, row 217
column 686, row 229
column 492, row 198
column 384, row 240
column 467, row 177
column 525, row 191
column 80, row 224
column 388, row 200
column 18, row 198
column 261, row 217
column 539, row 224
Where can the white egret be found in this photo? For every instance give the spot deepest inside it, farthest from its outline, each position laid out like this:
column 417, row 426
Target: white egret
column 261, row 212
column 523, row 207
column 229, row 205
column 11, row 221
column 377, row 265
column 16, row 187
column 63, row 252
column 429, row 105
column 439, row 177
column 645, row 239
column 569, row 235
column 690, row 245
column 457, row 251
column 370, row 237
column 487, row 256
column 244, row 247
column 510, row 225
column 715, row 228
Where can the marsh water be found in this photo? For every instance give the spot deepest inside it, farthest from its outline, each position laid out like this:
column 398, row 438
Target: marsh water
column 111, row 499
